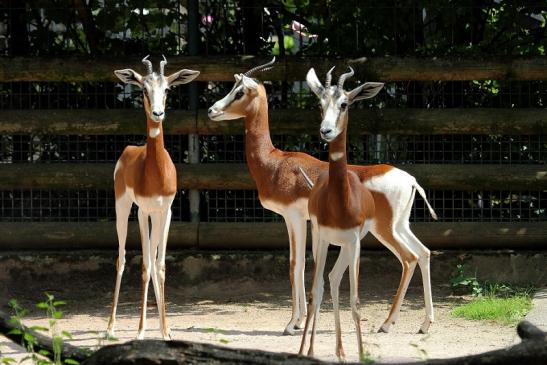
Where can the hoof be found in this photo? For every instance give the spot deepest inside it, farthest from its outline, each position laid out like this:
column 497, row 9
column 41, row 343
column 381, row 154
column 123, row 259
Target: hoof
column 425, row 327
column 140, row 336
column 110, row 334
column 167, row 336
column 384, row 328
column 289, row 332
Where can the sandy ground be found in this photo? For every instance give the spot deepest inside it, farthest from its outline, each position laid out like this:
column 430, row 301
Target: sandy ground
column 252, row 314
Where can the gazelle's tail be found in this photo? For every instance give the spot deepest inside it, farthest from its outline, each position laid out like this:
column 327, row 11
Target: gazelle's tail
column 306, row 177
column 424, row 197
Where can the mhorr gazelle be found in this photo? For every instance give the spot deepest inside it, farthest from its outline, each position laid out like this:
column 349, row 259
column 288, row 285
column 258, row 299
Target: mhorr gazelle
column 283, row 189
column 146, row 176
column 341, row 209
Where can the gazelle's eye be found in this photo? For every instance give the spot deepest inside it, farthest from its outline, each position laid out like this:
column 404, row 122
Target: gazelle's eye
column 167, row 90
column 239, row 94
column 343, row 106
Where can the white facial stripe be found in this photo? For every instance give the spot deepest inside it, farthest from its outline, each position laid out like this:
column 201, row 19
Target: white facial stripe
column 154, row 132
column 155, row 86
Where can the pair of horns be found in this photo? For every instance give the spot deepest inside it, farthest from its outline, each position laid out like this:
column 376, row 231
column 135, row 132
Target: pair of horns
column 342, row 79
column 148, row 64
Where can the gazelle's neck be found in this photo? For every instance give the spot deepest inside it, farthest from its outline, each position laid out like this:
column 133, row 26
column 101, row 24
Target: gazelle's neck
column 258, row 143
column 154, row 138
column 338, row 166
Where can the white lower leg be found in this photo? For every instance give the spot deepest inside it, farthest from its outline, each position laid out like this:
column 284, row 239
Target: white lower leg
column 335, row 277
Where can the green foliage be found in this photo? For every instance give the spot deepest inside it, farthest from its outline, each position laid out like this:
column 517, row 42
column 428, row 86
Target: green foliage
column 41, row 357
column 425, row 28
column 366, row 358
column 505, row 310
column 464, row 283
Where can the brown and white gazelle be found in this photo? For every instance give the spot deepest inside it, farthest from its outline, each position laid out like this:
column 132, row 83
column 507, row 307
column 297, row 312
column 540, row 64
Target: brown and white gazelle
column 283, row 189
column 341, row 210
column 146, row 176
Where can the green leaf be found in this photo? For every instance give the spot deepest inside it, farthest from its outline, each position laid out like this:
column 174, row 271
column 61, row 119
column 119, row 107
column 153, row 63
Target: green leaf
column 224, row 341
column 57, row 314
column 15, row 331
column 44, row 352
column 59, row 302
column 71, row 362
column 49, row 296
column 39, row 328
column 42, row 305
column 28, row 337
column 66, row 334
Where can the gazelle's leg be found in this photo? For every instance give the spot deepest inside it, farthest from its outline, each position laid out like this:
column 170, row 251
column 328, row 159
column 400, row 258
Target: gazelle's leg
column 160, row 267
column 296, row 226
column 146, row 263
column 335, row 276
column 355, row 258
column 123, row 208
column 423, row 261
column 311, row 306
column 408, row 260
column 318, row 289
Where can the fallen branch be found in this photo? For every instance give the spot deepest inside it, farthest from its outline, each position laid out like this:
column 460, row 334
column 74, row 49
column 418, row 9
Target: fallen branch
column 532, row 350
column 40, row 341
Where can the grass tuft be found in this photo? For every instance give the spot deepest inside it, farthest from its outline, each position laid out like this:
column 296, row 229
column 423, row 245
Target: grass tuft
column 505, row 310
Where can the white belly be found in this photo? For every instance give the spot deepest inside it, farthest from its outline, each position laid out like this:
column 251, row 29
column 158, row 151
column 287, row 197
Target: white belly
column 346, row 236
column 157, row 203
column 298, row 207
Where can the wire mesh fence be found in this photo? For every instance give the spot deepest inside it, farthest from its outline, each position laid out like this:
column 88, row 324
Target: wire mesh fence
column 233, row 28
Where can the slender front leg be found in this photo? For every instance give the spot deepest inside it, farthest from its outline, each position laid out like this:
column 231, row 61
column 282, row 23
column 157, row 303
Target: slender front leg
column 316, row 294
column 123, row 208
column 355, row 258
column 146, row 263
column 335, row 277
column 296, row 226
column 160, row 267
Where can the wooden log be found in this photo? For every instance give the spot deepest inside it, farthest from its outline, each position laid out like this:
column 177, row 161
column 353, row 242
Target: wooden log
column 484, row 121
column 183, row 352
column 222, row 68
column 222, row 236
column 15, row 332
column 227, row 176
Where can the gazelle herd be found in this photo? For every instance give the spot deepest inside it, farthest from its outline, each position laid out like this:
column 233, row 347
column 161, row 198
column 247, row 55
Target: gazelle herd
column 342, row 201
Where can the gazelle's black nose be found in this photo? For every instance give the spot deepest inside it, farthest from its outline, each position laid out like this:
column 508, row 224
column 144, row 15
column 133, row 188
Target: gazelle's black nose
column 325, row 131
column 210, row 110
column 157, row 114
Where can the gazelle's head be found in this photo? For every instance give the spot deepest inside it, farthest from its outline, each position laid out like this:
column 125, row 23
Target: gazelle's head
column 236, row 102
column 335, row 101
column 155, row 86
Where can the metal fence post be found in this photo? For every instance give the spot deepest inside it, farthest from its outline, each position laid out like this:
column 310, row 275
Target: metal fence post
column 193, row 139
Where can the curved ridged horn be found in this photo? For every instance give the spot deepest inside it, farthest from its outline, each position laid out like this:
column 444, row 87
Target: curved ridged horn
column 264, row 67
column 344, row 77
column 162, row 64
column 148, row 64
column 329, row 78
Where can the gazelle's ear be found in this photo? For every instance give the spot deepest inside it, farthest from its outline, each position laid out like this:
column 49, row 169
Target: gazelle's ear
column 129, row 76
column 237, row 77
column 182, row 77
column 249, row 83
column 314, row 83
column 367, row 90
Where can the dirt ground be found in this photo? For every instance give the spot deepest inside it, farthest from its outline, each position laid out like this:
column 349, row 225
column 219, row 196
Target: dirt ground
column 249, row 313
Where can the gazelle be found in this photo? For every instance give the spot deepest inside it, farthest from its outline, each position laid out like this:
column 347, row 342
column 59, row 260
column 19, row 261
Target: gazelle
column 146, row 176
column 341, row 210
column 283, row 189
